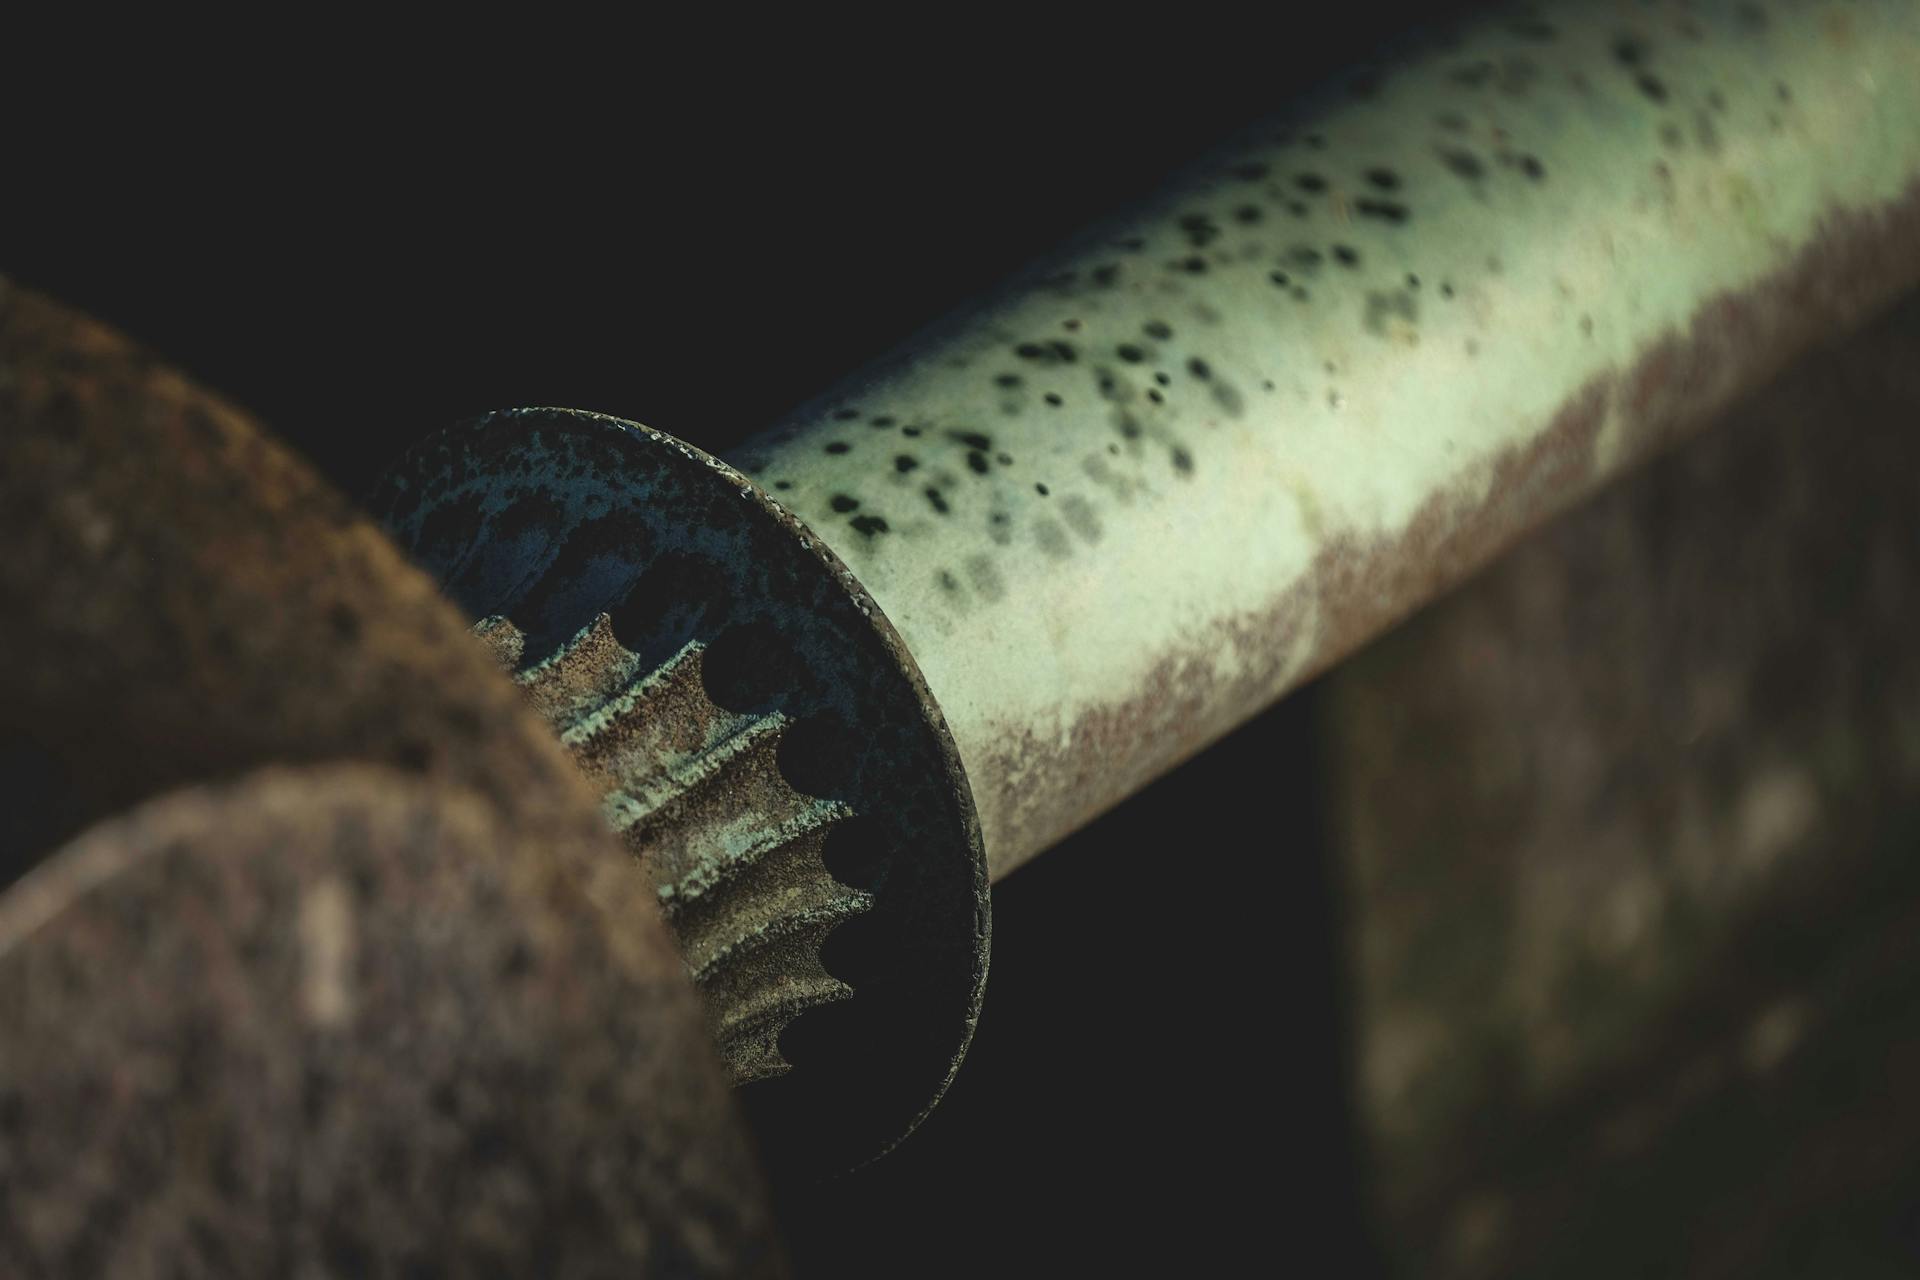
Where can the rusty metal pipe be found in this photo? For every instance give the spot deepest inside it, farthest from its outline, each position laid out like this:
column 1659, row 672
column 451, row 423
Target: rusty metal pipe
column 1043, row 552
column 1168, row 476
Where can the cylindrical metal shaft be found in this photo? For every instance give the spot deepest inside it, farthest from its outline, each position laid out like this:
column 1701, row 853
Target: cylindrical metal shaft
column 1159, row 481
column 1151, row 485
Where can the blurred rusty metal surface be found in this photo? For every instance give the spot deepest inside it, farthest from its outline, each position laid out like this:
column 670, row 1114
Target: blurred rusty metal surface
column 1630, row 827
column 411, row 993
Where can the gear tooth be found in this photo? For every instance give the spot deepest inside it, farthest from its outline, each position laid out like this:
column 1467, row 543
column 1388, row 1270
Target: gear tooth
column 658, row 723
column 580, row 676
column 754, row 726
column 698, row 795
column 502, row 639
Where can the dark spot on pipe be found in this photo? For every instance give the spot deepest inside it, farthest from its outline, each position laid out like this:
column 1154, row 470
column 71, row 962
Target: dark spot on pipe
column 986, row 579
column 1200, row 230
column 1706, row 133
column 1081, row 517
column 869, row 525
column 1472, row 75
column 838, row 446
column 1462, row 163
column 904, row 463
column 1517, row 76
column 1383, row 306
column 977, row 461
column 939, row 503
column 843, row 503
column 1389, row 211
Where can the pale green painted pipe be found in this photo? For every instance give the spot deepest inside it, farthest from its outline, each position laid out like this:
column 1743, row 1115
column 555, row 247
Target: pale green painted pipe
column 1164, row 479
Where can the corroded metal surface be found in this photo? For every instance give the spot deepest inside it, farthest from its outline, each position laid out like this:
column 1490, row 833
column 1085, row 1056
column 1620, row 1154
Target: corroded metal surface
column 1211, row 448
column 765, row 747
column 1630, row 827
column 337, row 1020
column 186, row 602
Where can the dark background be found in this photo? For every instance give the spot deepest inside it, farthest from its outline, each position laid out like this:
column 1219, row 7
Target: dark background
column 362, row 237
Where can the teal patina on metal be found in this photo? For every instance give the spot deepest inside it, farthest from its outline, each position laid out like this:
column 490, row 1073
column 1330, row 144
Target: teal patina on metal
column 764, row 745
